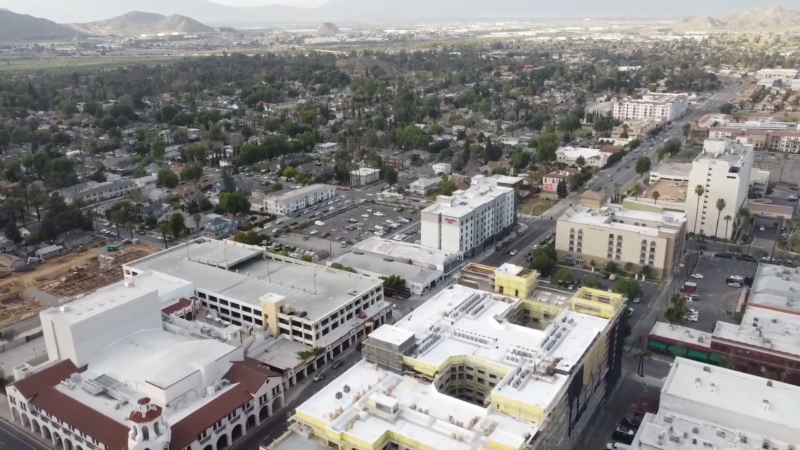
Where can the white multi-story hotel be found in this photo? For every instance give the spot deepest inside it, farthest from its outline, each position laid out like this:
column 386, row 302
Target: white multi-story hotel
column 470, row 220
column 299, row 199
column 663, row 107
column 723, row 169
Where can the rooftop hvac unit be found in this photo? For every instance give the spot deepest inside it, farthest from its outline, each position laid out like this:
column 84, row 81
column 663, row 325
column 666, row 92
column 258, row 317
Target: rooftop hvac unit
column 338, row 396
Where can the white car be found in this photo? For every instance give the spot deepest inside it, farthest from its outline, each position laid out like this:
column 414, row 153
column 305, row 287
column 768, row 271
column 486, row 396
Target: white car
column 313, row 232
column 697, row 275
column 365, row 215
column 760, row 228
column 319, row 223
column 379, row 214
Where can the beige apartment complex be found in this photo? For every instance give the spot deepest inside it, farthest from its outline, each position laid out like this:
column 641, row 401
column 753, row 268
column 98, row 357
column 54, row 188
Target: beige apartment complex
column 633, row 129
column 592, row 234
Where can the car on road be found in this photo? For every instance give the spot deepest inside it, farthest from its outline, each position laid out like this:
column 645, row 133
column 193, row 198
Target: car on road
column 313, row 232
column 612, row 277
column 637, row 300
column 697, row 275
column 319, row 223
column 623, row 434
column 365, row 215
column 513, row 253
column 735, row 285
column 760, row 228
column 319, row 376
column 142, row 232
column 336, row 364
column 629, row 312
column 794, row 198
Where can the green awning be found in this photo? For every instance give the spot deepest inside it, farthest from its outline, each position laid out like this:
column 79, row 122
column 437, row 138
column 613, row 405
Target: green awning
column 713, row 357
column 677, row 350
column 658, row 345
column 694, row 354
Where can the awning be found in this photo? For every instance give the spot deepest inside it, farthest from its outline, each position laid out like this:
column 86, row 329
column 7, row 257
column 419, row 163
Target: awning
column 677, row 350
column 713, row 357
column 694, row 354
column 658, row 345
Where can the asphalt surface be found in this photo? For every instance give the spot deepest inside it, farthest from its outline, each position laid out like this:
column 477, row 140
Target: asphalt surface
column 11, row 438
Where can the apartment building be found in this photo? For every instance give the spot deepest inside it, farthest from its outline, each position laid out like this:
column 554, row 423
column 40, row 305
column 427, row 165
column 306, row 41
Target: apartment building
column 659, row 107
column 592, row 157
column 304, row 305
column 120, row 374
column 93, row 192
column 634, row 129
column 723, row 169
column 469, row 221
column 704, row 406
column 762, row 138
column 592, row 234
column 425, row 186
column 460, row 371
column 325, row 148
column 299, row 199
column 364, row 176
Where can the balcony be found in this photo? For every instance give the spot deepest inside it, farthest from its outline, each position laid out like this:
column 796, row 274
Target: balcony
column 249, row 410
column 204, row 440
column 221, row 429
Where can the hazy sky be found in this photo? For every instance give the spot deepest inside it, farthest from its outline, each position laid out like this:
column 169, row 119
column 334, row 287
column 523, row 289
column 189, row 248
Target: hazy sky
column 301, row 3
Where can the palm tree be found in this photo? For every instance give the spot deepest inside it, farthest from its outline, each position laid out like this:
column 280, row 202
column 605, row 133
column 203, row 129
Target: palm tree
column 655, row 196
column 636, row 188
column 727, row 220
column 699, row 190
column 616, row 192
column 720, row 206
column 164, row 228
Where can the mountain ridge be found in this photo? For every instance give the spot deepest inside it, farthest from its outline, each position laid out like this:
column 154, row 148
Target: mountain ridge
column 770, row 18
column 16, row 27
column 136, row 23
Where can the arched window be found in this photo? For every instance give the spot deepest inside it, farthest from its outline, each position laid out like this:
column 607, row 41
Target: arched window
column 156, row 430
column 580, row 231
column 145, row 434
column 653, row 243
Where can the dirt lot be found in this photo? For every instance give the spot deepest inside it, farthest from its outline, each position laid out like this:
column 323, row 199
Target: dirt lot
column 65, row 276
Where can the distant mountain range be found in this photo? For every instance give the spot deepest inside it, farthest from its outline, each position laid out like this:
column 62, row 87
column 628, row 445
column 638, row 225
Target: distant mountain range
column 349, row 11
column 22, row 27
column 756, row 20
column 136, row 23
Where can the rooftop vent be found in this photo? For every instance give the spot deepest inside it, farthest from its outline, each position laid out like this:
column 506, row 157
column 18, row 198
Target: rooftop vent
column 765, row 404
column 706, row 369
column 769, row 383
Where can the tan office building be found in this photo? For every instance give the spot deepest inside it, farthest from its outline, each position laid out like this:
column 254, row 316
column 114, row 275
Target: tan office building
column 593, row 233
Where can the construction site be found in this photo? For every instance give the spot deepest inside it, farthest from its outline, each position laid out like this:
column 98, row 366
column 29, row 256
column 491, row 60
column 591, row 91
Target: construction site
column 63, row 278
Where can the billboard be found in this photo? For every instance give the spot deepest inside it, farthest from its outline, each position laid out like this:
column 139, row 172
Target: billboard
column 449, row 221
column 549, row 187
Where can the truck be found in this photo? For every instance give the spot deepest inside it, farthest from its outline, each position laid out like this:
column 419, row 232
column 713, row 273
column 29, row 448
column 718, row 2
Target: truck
column 112, row 248
column 689, row 287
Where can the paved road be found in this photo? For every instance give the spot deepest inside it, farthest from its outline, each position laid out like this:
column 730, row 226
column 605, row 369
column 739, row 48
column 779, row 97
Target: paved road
column 538, row 229
column 12, row 438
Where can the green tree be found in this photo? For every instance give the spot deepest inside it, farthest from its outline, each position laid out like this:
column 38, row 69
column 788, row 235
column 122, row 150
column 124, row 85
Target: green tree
column 687, row 130
column 720, row 206
column 564, row 276
column 390, row 176
column 594, row 283
column 158, row 148
column 561, row 189
column 727, row 220
column 629, row 288
column 167, row 179
column 196, row 154
column 642, row 165
column 248, row 237
column 197, row 218
column 191, row 172
column 726, row 108
column 234, row 202
column 12, row 232
column 176, row 225
column 676, row 309
column 164, row 228
column 656, row 195
column 581, row 161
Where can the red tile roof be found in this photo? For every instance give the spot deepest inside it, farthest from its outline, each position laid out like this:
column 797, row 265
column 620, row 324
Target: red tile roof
column 251, row 374
column 49, row 377
column 112, row 434
column 185, row 432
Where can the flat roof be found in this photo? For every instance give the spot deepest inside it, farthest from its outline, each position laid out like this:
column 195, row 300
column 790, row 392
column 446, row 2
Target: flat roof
column 315, row 289
column 417, row 254
column 667, row 169
column 575, row 152
column 776, row 287
column 301, row 192
column 469, row 323
column 681, row 334
column 381, row 265
column 714, row 393
column 482, row 191
column 669, row 191
column 617, row 217
column 772, row 331
column 100, row 302
column 206, row 251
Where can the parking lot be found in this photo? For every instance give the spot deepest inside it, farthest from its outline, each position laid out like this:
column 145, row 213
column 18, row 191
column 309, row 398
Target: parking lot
column 364, row 221
column 716, row 298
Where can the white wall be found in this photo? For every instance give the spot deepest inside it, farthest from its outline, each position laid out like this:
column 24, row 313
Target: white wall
column 430, row 230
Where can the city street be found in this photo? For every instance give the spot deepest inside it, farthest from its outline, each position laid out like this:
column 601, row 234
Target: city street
column 12, row 438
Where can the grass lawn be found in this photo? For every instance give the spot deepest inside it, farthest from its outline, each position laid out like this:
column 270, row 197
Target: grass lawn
column 535, row 206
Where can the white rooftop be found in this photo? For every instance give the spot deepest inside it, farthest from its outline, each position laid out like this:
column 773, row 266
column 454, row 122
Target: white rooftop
column 733, row 399
column 469, row 323
column 776, row 287
column 288, row 197
column 575, row 152
column 673, row 170
column 482, row 191
column 771, row 331
column 99, row 302
column 315, row 289
column 618, row 217
column 417, row 254
column 681, row 334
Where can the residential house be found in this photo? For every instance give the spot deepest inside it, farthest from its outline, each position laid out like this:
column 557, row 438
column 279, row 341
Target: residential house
column 550, row 181
column 217, row 226
column 324, row 148
column 74, row 238
column 92, row 192
column 442, row 168
column 425, row 186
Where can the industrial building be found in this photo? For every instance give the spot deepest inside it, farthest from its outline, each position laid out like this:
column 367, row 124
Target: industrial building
column 294, row 305
column 708, row 407
column 424, row 257
column 121, row 373
column 473, row 219
column 593, row 233
column 466, row 370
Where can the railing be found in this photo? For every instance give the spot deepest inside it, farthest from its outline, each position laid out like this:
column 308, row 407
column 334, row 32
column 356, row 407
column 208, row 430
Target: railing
column 220, row 429
column 249, row 410
column 204, row 440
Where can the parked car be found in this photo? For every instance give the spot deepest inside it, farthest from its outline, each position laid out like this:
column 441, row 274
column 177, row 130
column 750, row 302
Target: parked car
column 319, row 376
column 336, row 364
column 623, row 434
column 513, row 252
column 697, row 275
